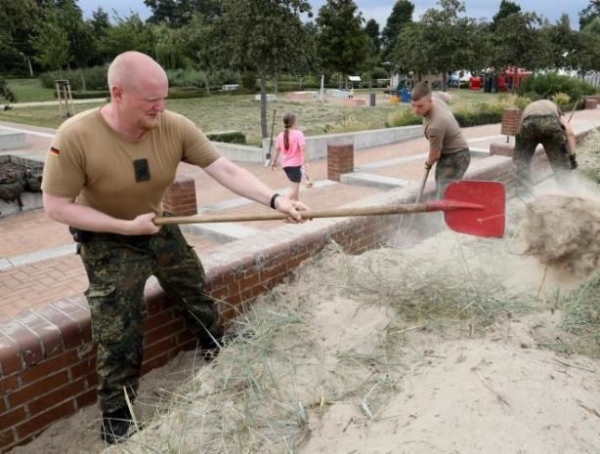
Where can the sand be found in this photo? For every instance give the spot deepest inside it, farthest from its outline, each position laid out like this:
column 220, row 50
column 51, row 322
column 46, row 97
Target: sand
column 362, row 354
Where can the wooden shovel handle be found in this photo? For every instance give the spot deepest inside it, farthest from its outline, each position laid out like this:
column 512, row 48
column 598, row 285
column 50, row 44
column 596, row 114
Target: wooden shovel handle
column 308, row 214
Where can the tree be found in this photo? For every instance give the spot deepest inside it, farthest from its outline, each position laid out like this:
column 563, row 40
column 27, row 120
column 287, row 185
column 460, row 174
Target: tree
column 342, row 43
column 266, row 36
column 518, row 41
column 450, row 39
column 18, row 19
column 506, row 9
column 99, row 25
column 412, row 54
column 177, row 13
column 372, row 29
column 401, row 15
column 204, row 38
column 169, row 47
column 589, row 13
column 129, row 33
column 587, row 57
column 562, row 43
column 51, row 45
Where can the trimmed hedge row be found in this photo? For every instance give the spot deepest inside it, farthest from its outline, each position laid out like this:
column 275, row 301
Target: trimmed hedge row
column 227, row 137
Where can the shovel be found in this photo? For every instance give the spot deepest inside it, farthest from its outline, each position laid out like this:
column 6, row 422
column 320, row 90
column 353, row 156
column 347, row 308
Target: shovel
column 471, row 207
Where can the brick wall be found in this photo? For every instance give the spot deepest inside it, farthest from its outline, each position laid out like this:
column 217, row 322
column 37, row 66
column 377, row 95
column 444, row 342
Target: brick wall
column 47, row 358
column 340, row 160
column 510, row 121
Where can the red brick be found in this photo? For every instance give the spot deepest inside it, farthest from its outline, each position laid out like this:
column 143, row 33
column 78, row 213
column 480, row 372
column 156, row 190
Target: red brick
column 69, row 329
column 29, row 343
column 12, row 417
column 42, row 370
column 42, row 421
column 157, row 320
column 3, row 406
column 163, row 332
column 80, row 315
column 26, row 393
column 86, row 399
column 56, row 397
column 10, row 357
column 158, row 361
column 85, row 368
column 7, row 438
column 9, row 383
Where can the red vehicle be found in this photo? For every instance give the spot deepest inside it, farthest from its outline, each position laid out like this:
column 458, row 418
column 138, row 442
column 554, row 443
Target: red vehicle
column 511, row 78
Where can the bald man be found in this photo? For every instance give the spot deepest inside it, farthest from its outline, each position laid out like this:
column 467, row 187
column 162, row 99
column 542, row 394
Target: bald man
column 105, row 176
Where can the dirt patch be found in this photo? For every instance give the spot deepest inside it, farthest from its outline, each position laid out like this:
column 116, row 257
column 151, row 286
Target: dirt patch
column 439, row 348
column 563, row 232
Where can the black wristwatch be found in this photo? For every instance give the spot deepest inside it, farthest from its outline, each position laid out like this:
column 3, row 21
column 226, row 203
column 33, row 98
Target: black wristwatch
column 272, row 203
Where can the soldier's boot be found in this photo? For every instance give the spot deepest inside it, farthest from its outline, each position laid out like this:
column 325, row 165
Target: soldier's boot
column 116, row 426
column 210, row 346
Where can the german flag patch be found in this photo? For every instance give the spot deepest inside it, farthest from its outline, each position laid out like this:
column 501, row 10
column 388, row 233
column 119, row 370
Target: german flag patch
column 54, row 151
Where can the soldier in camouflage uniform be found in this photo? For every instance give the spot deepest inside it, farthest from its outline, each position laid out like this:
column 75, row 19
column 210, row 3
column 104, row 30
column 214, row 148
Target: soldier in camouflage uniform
column 105, row 176
column 543, row 122
column 447, row 146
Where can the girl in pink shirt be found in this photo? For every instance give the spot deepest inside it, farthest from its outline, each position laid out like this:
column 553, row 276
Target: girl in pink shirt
column 291, row 144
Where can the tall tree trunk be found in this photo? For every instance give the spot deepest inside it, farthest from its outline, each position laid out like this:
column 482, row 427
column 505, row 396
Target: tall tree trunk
column 82, row 77
column 30, row 67
column 263, row 103
column 206, row 83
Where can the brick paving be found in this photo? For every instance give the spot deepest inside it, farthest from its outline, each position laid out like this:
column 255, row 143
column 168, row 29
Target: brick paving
column 43, row 281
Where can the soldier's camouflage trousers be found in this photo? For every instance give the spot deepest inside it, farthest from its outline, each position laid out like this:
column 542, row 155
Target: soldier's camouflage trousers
column 449, row 168
column 118, row 267
column 547, row 130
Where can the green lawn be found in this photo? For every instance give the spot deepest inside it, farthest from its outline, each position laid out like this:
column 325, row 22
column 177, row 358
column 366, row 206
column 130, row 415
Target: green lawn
column 242, row 113
column 29, row 90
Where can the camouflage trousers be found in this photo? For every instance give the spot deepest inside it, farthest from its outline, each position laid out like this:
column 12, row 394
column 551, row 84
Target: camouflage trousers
column 117, row 268
column 548, row 131
column 449, row 168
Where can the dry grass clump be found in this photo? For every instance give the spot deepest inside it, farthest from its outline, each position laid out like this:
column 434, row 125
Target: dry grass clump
column 335, row 335
column 588, row 156
column 581, row 308
column 446, row 280
column 563, row 232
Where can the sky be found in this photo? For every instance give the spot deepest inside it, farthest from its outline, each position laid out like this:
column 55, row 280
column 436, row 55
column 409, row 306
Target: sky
column 381, row 9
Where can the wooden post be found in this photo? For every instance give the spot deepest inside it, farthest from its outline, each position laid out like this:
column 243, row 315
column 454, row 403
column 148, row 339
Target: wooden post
column 64, row 95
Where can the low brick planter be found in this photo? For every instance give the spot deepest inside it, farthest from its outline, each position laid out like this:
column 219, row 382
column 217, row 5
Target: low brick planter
column 510, row 121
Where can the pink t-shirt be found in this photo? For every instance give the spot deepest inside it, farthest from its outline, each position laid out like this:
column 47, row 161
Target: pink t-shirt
column 292, row 156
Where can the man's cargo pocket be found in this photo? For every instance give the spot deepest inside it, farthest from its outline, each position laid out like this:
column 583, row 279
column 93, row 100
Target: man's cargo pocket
column 108, row 318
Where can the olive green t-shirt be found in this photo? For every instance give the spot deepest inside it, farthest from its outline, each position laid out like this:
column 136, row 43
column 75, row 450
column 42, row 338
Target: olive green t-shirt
column 442, row 129
column 90, row 162
column 541, row 107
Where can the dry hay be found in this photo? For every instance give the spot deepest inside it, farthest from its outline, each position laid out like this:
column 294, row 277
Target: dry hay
column 430, row 349
column 563, row 231
column 588, row 157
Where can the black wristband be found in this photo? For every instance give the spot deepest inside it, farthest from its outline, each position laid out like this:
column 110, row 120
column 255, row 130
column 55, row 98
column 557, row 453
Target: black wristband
column 272, row 203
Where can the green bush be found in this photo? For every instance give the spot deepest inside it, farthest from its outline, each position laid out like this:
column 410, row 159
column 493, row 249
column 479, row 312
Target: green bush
column 183, row 78
column 480, row 114
column 95, row 78
column 227, row 137
column 248, row 80
column 547, row 85
column 405, row 117
column 187, row 94
column 89, row 94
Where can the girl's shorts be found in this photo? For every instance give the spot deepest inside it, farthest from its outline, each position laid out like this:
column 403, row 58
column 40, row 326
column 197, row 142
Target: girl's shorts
column 294, row 173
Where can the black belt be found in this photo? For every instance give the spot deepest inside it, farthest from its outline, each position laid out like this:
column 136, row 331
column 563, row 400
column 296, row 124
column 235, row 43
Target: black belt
column 539, row 117
column 85, row 236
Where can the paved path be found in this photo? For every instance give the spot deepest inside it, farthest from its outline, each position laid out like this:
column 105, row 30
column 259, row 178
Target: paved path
column 37, row 261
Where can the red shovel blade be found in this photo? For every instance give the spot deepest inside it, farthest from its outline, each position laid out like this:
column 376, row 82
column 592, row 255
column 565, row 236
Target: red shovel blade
column 475, row 207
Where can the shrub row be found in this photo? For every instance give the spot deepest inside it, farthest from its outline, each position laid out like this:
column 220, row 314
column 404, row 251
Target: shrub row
column 227, row 136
